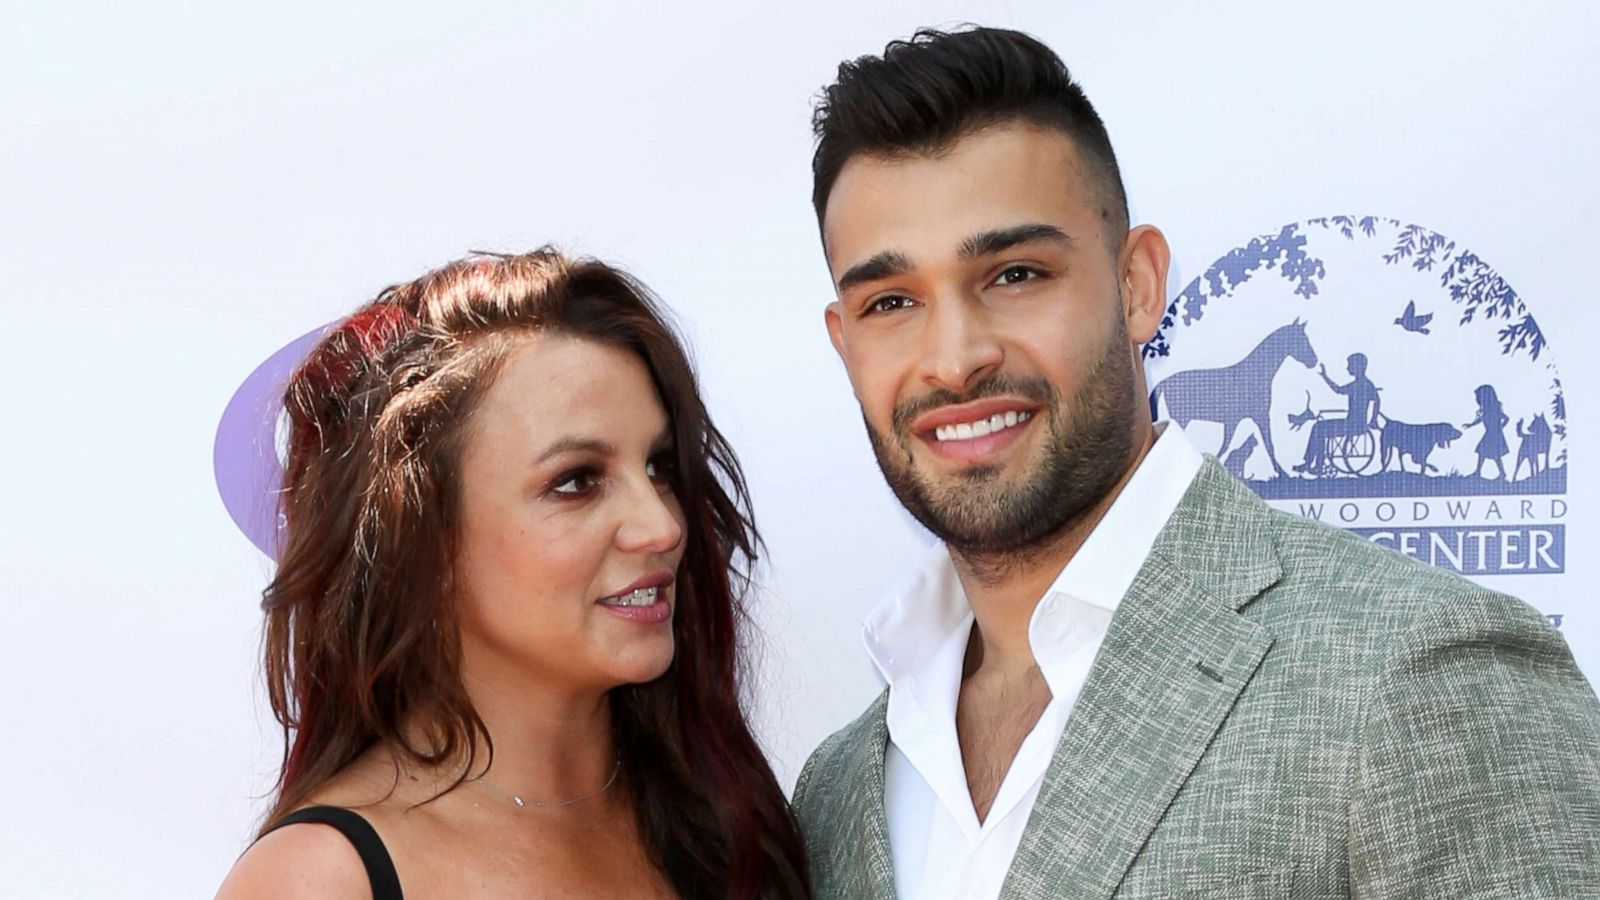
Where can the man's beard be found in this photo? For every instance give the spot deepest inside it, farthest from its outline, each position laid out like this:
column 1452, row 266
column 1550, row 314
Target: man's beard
column 992, row 522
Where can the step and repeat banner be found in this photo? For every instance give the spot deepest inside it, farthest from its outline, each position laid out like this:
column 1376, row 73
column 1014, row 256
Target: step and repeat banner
column 1380, row 317
column 1380, row 376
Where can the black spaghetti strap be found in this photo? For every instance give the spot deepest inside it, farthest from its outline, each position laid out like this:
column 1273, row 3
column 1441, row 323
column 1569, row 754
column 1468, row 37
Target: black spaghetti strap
column 380, row 868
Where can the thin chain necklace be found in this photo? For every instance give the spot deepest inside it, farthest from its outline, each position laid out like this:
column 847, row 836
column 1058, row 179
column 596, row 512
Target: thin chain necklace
column 522, row 803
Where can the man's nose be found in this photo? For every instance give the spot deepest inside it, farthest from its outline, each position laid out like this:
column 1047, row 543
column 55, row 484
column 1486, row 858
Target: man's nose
column 961, row 346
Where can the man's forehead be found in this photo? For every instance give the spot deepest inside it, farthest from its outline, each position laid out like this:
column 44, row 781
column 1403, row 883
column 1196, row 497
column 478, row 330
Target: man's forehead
column 990, row 179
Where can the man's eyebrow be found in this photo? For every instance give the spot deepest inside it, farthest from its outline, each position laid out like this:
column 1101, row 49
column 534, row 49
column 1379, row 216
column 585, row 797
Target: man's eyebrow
column 987, row 242
column 577, row 445
column 883, row 265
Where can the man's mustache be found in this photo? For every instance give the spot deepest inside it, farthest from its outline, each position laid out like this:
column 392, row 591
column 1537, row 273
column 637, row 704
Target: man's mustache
column 1036, row 389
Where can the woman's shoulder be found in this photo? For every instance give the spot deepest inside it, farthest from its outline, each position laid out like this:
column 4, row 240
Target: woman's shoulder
column 320, row 852
column 301, row 860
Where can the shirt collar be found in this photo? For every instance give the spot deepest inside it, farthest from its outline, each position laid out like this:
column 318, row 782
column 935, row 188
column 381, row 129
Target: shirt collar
column 921, row 616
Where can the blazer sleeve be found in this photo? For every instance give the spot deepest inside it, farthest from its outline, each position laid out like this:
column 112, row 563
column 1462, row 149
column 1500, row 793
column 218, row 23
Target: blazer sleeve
column 1479, row 768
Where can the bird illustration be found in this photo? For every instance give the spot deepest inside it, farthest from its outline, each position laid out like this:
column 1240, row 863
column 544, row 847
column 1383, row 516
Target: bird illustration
column 1413, row 322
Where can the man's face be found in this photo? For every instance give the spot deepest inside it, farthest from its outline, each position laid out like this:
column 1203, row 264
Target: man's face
column 990, row 332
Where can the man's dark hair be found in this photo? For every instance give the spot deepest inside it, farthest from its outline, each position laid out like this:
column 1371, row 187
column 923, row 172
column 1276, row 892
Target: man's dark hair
column 926, row 93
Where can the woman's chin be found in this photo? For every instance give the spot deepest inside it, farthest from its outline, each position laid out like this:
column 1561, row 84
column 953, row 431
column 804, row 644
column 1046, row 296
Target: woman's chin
column 643, row 664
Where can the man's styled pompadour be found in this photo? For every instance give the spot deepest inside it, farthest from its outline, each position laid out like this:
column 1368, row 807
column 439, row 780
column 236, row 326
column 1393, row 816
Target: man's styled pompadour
column 925, row 93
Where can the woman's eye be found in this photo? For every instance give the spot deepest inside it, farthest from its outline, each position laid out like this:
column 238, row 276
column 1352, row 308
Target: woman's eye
column 887, row 304
column 1016, row 275
column 575, row 483
column 662, row 469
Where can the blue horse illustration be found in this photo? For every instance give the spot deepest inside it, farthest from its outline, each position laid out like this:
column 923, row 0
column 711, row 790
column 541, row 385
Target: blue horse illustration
column 1241, row 391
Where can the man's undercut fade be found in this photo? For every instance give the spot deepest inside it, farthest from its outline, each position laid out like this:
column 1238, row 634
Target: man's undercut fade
column 924, row 94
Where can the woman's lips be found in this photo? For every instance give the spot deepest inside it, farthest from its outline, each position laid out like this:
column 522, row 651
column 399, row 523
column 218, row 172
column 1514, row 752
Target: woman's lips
column 652, row 614
column 645, row 601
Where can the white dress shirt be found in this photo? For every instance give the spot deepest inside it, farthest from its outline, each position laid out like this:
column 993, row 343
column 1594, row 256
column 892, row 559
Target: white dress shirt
column 917, row 638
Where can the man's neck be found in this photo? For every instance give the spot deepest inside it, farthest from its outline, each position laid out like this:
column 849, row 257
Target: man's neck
column 1003, row 592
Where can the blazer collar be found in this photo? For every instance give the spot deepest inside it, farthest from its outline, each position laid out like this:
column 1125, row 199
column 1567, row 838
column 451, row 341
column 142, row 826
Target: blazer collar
column 1174, row 660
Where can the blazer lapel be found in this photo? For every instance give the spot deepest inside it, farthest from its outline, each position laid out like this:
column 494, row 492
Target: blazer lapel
column 864, row 830
column 1174, row 660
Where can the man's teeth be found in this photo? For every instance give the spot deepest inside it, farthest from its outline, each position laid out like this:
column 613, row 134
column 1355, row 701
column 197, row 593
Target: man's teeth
column 640, row 597
column 966, row 431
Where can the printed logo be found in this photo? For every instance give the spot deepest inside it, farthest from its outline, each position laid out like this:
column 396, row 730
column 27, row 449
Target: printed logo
column 247, row 457
column 1380, row 377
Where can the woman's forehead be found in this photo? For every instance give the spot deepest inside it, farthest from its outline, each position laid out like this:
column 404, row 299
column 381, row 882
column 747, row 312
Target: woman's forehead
column 552, row 387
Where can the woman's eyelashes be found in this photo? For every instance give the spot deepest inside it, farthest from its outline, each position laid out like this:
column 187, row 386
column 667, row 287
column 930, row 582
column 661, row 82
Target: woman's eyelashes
column 576, row 482
column 663, row 468
column 586, row 480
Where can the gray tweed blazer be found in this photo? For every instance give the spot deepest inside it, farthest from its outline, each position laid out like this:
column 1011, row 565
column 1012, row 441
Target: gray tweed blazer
column 1281, row 709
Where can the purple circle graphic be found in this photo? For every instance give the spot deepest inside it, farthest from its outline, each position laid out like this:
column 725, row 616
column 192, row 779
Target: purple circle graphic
column 245, row 455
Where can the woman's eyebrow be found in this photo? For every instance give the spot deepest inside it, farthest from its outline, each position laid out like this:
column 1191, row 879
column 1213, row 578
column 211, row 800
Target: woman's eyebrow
column 572, row 444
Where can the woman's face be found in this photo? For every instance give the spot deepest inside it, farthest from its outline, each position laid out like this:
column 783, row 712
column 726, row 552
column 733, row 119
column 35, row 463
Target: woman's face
column 570, row 532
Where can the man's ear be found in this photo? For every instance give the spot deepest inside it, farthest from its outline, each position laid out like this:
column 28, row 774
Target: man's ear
column 835, row 319
column 1143, row 266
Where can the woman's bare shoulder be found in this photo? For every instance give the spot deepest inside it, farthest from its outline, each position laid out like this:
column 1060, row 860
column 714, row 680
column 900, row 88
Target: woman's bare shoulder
column 310, row 859
column 305, row 860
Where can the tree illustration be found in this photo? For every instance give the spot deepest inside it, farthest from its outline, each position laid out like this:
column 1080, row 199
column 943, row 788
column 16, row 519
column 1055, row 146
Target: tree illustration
column 1284, row 251
column 1470, row 282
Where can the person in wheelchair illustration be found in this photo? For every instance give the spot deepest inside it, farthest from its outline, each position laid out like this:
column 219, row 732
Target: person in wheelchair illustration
column 1347, row 445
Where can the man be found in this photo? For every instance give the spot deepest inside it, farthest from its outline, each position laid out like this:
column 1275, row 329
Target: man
column 1362, row 415
column 1121, row 674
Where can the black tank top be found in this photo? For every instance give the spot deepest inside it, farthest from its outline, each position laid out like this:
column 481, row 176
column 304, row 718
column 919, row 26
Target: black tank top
column 380, row 869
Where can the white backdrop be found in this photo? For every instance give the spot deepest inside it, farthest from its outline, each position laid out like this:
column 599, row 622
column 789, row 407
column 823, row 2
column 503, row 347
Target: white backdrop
column 187, row 189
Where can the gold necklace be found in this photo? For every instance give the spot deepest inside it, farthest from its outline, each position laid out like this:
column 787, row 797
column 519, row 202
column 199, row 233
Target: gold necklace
column 521, row 802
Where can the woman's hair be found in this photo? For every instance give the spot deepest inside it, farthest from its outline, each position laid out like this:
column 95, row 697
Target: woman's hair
column 361, row 641
column 1486, row 395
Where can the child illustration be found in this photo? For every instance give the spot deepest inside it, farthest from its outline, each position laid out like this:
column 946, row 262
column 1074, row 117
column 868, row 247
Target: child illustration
column 1493, row 418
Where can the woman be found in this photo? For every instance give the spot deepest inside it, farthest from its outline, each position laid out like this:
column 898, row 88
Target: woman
column 502, row 636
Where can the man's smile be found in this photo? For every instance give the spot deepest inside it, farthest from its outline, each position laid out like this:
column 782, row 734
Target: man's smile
column 974, row 433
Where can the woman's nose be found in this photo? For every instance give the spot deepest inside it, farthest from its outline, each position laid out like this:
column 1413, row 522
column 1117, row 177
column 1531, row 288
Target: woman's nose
column 653, row 522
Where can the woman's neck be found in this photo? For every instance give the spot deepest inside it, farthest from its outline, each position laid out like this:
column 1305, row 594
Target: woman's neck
column 549, row 745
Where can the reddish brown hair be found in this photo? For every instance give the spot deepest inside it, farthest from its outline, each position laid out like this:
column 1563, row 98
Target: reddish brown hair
column 361, row 641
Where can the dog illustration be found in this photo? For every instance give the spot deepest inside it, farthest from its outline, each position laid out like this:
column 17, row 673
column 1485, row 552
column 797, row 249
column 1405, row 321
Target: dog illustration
column 1535, row 443
column 1298, row 420
column 1238, row 456
column 1403, row 439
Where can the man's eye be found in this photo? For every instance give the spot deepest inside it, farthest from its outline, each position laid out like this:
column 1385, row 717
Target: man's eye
column 577, row 483
column 889, row 303
column 1016, row 275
